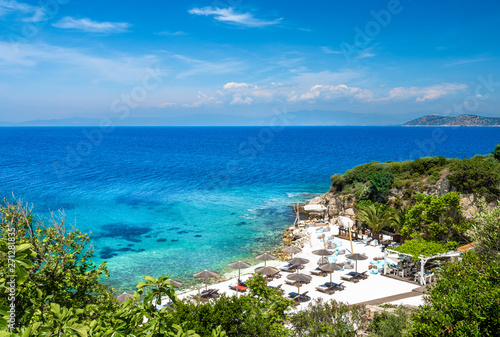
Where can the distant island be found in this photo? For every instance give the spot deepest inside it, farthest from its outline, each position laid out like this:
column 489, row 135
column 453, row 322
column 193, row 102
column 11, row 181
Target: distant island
column 462, row 120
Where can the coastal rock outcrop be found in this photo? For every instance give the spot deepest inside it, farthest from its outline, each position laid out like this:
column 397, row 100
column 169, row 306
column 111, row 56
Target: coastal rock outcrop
column 337, row 203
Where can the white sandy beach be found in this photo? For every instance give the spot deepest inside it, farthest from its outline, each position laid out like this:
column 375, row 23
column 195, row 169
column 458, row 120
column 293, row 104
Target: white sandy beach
column 374, row 287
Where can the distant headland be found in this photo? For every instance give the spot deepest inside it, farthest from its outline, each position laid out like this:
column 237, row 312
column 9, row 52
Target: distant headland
column 462, row 120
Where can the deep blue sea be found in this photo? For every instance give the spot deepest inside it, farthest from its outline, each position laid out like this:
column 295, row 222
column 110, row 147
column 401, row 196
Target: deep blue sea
column 176, row 200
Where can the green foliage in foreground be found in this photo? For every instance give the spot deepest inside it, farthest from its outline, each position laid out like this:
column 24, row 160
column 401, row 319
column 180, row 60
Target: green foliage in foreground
column 464, row 302
column 259, row 313
column 390, row 324
column 466, row 298
column 57, row 288
column 332, row 319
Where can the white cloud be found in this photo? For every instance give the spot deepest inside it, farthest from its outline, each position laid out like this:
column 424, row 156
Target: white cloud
column 327, row 50
column 28, row 57
column 207, row 67
column 234, row 85
column 88, row 25
column 422, row 94
column 203, row 99
column 229, row 15
column 177, row 33
column 468, row 61
column 29, row 13
column 238, row 99
column 320, row 92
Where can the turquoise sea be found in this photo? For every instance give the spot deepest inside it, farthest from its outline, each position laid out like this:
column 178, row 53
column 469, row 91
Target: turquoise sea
column 176, row 200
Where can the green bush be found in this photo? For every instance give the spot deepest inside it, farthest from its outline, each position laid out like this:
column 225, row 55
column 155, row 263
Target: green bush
column 479, row 175
column 259, row 313
column 381, row 182
column 390, row 325
column 361, row 191
column 330, row 319
column 464, row 301
column 436, row 218
column 496, row 152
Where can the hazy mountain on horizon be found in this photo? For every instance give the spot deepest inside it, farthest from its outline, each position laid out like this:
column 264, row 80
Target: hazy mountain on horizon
column 296, row 118
column 461, row 120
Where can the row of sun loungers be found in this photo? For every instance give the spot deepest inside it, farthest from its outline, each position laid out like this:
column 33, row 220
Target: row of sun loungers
column 354, row 277
column 298, row 298
column 330, row 287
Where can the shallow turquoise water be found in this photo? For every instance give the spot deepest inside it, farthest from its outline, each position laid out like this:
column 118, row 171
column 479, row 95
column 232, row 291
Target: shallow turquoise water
column 178, row 200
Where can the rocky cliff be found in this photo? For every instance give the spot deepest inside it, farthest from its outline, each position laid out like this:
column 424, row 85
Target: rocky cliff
column 337, row 203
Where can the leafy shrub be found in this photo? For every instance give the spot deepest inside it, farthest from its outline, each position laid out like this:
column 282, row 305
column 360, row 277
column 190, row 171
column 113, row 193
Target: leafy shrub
column 436, row 218
column 476, row 175
column 327, row 319
column 361, row 191
column 463, row 302
column 363, row 173
column 423, row 165
column 496, row 152
column 390, row 325
column 381, row 182
column 260, row 313
column 338, row 181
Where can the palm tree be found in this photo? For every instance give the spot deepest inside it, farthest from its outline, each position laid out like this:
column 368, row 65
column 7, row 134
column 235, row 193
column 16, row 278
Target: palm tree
column 376, row 216
column 397, row 219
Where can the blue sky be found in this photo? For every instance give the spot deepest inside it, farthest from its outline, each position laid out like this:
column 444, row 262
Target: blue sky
column 63, row 58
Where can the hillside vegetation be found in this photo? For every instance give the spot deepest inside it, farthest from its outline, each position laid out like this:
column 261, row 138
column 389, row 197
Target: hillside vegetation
column 462, row 120
column 379, row 182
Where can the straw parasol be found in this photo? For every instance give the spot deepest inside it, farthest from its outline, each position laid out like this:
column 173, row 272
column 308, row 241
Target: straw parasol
column 299, row 279
column 176, row 283
column 268, row 271
column 123, row 297
column 264, row 257
column 291, row 250
column 206, row 274
column 322, row 253
column 357, row 257
column 239, row 265
column 297, row 261
column 330, row 268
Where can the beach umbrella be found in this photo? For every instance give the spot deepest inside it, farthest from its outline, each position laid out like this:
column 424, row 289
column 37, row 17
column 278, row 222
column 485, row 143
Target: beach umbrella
column 291, row 250
column 357, row 257
column 206, row 274
column 239, row 265
column 296, row 261
column 330, row 268
column 264, row 257
column 123, row 297
column 299, row 279
column 268, row 271
column 322, row 252
column 175, row 283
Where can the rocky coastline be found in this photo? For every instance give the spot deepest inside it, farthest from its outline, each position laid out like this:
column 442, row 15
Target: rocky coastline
column 338, row 204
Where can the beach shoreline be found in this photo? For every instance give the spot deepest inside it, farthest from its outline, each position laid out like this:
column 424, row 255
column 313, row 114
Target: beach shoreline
column 375, row 287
